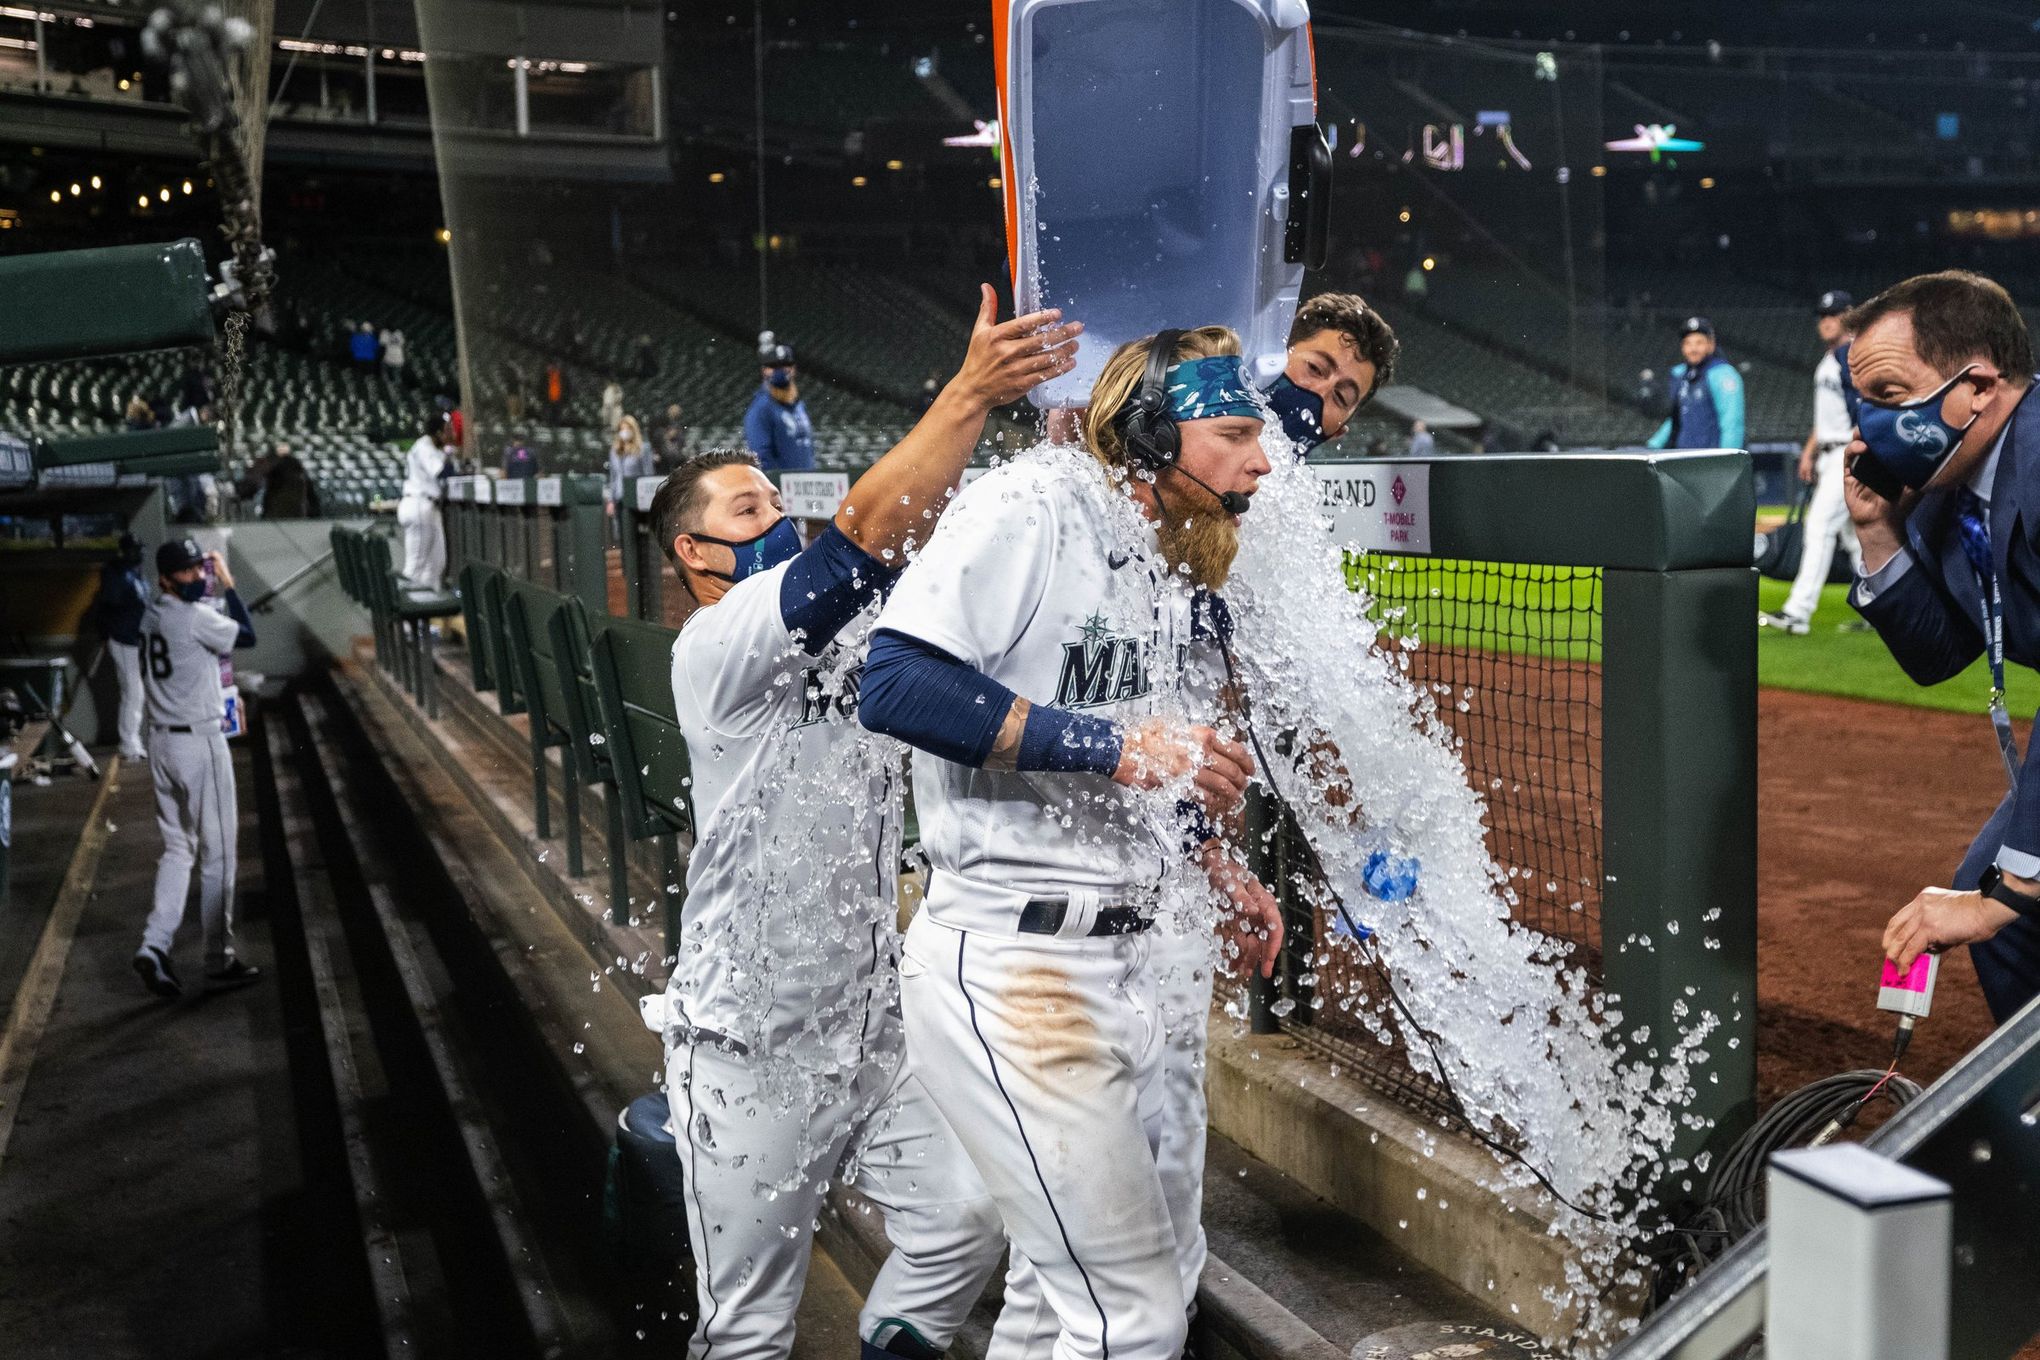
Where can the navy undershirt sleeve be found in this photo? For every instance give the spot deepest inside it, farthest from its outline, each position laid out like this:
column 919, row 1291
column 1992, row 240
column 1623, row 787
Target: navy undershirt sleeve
column 827, row 585
column 238, row 612
column 928, row 699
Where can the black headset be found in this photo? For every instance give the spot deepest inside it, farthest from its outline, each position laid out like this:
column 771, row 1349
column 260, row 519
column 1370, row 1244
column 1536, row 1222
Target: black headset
column 1145, row 422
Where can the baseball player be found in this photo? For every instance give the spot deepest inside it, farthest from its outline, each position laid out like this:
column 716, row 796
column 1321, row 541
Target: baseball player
column 418, row 510
column 1340, row 354
column 184, row 637
column 783, row 1046
column 1045, row 648
column 1820, row 463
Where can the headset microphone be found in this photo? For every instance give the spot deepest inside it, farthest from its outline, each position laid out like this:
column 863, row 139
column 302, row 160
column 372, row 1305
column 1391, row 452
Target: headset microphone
column 1232, row 502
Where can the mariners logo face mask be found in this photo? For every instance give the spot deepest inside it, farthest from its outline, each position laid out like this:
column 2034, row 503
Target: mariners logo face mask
column 1301, row 411
column 1911, row 440
column 780, row 543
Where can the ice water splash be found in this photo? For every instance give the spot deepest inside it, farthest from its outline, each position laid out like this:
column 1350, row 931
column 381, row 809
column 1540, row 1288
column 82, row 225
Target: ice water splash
column 1532, row 1051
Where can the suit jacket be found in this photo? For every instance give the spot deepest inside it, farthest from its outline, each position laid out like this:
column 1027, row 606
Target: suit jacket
column 1932, row 618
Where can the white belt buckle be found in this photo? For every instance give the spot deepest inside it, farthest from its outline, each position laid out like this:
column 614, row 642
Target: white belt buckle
column 1081, row 911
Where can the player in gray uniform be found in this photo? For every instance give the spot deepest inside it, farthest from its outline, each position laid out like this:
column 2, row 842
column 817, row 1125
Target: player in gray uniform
column 783, row 1046
column 184, row 638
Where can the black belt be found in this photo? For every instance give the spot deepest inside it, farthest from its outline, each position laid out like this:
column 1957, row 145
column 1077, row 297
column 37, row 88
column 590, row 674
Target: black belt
column 186, row 730
column 1045, row 915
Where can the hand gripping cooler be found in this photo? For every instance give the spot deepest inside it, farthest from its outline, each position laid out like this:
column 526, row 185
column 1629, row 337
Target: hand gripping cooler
column 1163, row 168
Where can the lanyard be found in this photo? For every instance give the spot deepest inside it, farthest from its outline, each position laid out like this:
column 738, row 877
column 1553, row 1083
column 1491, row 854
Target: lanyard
column 1994, row 636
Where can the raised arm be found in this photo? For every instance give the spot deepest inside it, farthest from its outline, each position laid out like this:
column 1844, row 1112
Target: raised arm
column 1005, row 361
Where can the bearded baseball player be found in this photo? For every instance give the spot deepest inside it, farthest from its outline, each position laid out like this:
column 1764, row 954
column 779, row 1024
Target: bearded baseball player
column 783, row 1046
column 183, row 640
column 1045, row 648
column 1340, row 354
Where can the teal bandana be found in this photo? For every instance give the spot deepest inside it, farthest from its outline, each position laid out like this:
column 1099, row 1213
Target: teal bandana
column 1204, row 389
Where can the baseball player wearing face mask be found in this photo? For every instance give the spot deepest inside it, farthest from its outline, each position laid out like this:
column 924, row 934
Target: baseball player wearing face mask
column 183, row 639
column 1044, row 648
column 783, row 1053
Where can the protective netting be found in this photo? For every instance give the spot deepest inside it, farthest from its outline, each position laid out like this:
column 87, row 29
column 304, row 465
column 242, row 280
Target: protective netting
column 1510, row 652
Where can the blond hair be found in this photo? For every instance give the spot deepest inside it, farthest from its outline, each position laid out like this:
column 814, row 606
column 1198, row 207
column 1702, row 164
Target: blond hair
column 1121, row 378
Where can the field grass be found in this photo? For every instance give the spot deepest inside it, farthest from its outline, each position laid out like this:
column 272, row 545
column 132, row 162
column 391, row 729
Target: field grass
column 1555, row 612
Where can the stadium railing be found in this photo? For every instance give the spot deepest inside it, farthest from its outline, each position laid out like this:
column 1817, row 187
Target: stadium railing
column 1583, row 623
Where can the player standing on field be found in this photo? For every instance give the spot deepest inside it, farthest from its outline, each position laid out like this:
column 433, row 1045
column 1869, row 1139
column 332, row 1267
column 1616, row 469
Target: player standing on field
column 183, row 640
column 1042, row 646
column 1820, row 466
column 783, row 1050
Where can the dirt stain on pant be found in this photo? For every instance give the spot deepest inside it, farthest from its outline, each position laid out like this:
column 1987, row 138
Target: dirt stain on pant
column 1054, row 1029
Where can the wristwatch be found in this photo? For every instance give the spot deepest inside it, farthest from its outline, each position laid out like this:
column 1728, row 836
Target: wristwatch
column 1993, row 886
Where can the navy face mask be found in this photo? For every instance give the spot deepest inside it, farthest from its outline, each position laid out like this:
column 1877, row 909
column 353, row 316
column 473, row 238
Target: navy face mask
column 191, row 592
column 1301, row 411
column 779, row 377
column 1911, row 441
column 780, row 543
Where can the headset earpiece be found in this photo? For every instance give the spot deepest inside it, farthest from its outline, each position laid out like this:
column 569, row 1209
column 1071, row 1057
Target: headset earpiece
column 1152, row 439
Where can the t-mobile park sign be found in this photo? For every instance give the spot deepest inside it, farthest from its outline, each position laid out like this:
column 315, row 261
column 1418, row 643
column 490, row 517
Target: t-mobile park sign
column 1384, row 506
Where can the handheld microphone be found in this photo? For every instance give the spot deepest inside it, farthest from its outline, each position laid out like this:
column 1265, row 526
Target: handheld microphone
column 1232, row 502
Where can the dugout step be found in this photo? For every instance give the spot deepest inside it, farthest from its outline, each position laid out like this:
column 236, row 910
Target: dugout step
column 161, row 1185
column 1291, row 1274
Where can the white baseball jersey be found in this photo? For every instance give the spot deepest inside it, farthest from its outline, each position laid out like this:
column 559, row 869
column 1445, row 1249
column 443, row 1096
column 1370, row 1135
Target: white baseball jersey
column 421, row 469
column 180, row 658
column 1029, row 579
column 789, row 923
column 1831, row 423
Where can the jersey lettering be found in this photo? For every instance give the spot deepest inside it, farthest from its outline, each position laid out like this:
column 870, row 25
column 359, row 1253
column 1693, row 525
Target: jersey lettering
column 158, row 657
column 818, row 703
column 1101, row 668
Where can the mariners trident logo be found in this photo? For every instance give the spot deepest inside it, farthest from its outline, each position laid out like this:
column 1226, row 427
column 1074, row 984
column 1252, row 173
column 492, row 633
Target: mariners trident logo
column 1103, row 667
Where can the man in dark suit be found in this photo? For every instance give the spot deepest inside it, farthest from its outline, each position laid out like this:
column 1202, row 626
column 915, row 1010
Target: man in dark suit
column 1943, row 366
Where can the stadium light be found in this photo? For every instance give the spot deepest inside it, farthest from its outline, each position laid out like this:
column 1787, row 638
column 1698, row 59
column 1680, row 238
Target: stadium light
column 1430, row 263
column 56, row 197
column 895, row 165
column 1599, row 171
column 717, row 177
column 164, row 193
column 187, row 186
column 1707, row 181
column 858, row 181
column 123, row 82
column 75, row 190
column 95, row 181
column 444, row 236
column 995, row 183
column 141, row 200
column 1403, row 216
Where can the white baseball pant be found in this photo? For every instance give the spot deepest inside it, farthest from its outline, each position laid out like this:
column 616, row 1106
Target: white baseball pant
column 1827, row 521
column 756, row 1175
column 193, row 773
column 1044, row 1056
column 127, row 669
column 424, row 542
column 1182, row 964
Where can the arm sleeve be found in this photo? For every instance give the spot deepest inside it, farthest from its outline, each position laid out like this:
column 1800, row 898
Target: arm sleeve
column 1728, row 403
column 828, row 585
column 1662, row 437
column 1925, row 630
column 244, row 625
column 928, row 699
